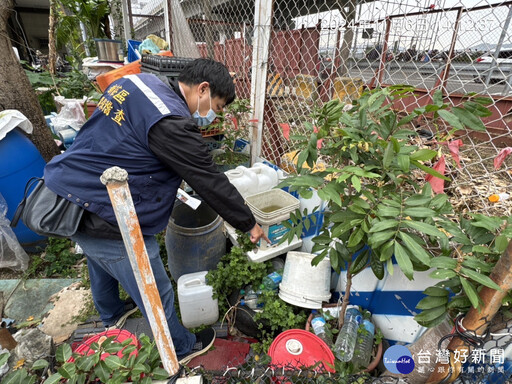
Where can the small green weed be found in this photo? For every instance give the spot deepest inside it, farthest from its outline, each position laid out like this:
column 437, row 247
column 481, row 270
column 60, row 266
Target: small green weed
column 58, row 260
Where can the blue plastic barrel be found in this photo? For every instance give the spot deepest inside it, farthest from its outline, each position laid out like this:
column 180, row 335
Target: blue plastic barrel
column 20, row 161
column 194, row 239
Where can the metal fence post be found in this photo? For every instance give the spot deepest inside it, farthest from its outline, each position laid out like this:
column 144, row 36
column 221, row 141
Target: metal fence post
column 115, row 179
column 261, row 43
column 496, row 53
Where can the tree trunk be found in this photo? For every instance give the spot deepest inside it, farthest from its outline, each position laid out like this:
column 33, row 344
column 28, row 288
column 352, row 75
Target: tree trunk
column 16, row 91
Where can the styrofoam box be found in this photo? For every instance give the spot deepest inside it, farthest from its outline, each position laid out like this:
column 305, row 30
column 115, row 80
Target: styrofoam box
column 197, row 306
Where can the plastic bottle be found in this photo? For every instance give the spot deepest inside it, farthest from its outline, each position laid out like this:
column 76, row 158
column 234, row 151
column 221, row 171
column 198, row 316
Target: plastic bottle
column 499, row 197
column 250, row 298
column 318, row 325
column 271, row 281
column 346, row 341
column 364, row 346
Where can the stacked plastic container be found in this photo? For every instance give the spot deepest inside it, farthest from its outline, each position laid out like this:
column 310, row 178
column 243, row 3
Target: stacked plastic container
column 270, row 208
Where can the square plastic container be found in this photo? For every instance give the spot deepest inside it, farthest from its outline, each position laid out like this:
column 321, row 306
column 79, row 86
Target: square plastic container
column 273, row 206
column 270, row 208
column 197, row 306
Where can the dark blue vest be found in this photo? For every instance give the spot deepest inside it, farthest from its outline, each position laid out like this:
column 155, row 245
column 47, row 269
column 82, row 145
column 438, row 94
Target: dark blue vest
column 117, row 135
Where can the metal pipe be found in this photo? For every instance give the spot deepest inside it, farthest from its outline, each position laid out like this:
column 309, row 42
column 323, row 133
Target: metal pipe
column 261, row 45
column 383, row 57
column 498, row 47
column 115, row 179
column 477, row 320
column 442, row 80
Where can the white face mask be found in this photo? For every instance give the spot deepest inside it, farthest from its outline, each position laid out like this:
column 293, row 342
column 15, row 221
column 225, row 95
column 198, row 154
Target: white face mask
column 204, row 120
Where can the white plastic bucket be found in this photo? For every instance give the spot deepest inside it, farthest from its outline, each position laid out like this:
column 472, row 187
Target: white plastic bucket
column 197, row 306
column 304, row 285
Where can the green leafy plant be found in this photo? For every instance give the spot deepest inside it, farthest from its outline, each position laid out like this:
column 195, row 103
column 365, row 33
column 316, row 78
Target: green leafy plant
column 380, row 208
column 275, row 317
column 234, row 125
column 92, row 15
column 58, row 260
column 142, row 367
column 234, row 271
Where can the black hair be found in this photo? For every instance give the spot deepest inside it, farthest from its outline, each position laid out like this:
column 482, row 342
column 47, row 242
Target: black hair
column 215, row 73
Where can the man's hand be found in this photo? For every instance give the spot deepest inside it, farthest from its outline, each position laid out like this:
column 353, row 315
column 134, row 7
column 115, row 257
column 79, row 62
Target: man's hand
column 257, row 233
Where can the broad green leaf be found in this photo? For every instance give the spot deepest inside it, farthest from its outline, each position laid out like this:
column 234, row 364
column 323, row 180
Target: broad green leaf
column 419, row 212
column 146, row 380
column 430, row 314
column 469, row 119
column 406, row 119
column 423, row 155
column 63, row 353
column 430, row 302
column 432, row 323
column 390, row 267
column 359, row 263
column 479, row 278
column 459, row 302
column 377, row 239
column 330, row 193
column 439, row 200
column 425, row 228
column 443, row 262
column 384, row 224
column 417, row 200
column 500, row 244
column 377, row 267
column 470, row 291
column 81, row 378
column 477, row 109
column 435, row 291
column 356, row 183
column 438, row 98
column 102, row 371
column 53, row 379
column 442, row 274
column 357, row 209
column 490, row 223
column 38, row 364
column 159, row 374
column 480, row 249
column 84, row 363
column 404, row 162
column 388, row 211
column 113, row 362
column 450, row 118
column 355, row 238
column 361, row 203
column 404, row 261
column 417, row 250
column 138, row 369
column 388, row 156
column 67, row 370
column 477, row 264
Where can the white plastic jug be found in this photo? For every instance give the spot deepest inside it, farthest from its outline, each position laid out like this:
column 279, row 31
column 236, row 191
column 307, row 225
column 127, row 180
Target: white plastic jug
column 197, row 306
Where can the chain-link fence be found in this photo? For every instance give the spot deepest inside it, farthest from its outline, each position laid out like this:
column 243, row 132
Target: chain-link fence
column 290, row 56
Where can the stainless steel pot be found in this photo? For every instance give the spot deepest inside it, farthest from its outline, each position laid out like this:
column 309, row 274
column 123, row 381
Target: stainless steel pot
column 109, row 50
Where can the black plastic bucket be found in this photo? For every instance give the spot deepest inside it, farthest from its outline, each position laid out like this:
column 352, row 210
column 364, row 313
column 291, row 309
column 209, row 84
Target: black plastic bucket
column 194, row 239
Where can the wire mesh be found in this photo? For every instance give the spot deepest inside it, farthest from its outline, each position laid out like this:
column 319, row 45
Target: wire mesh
column 328, row 49
column 251, row 371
